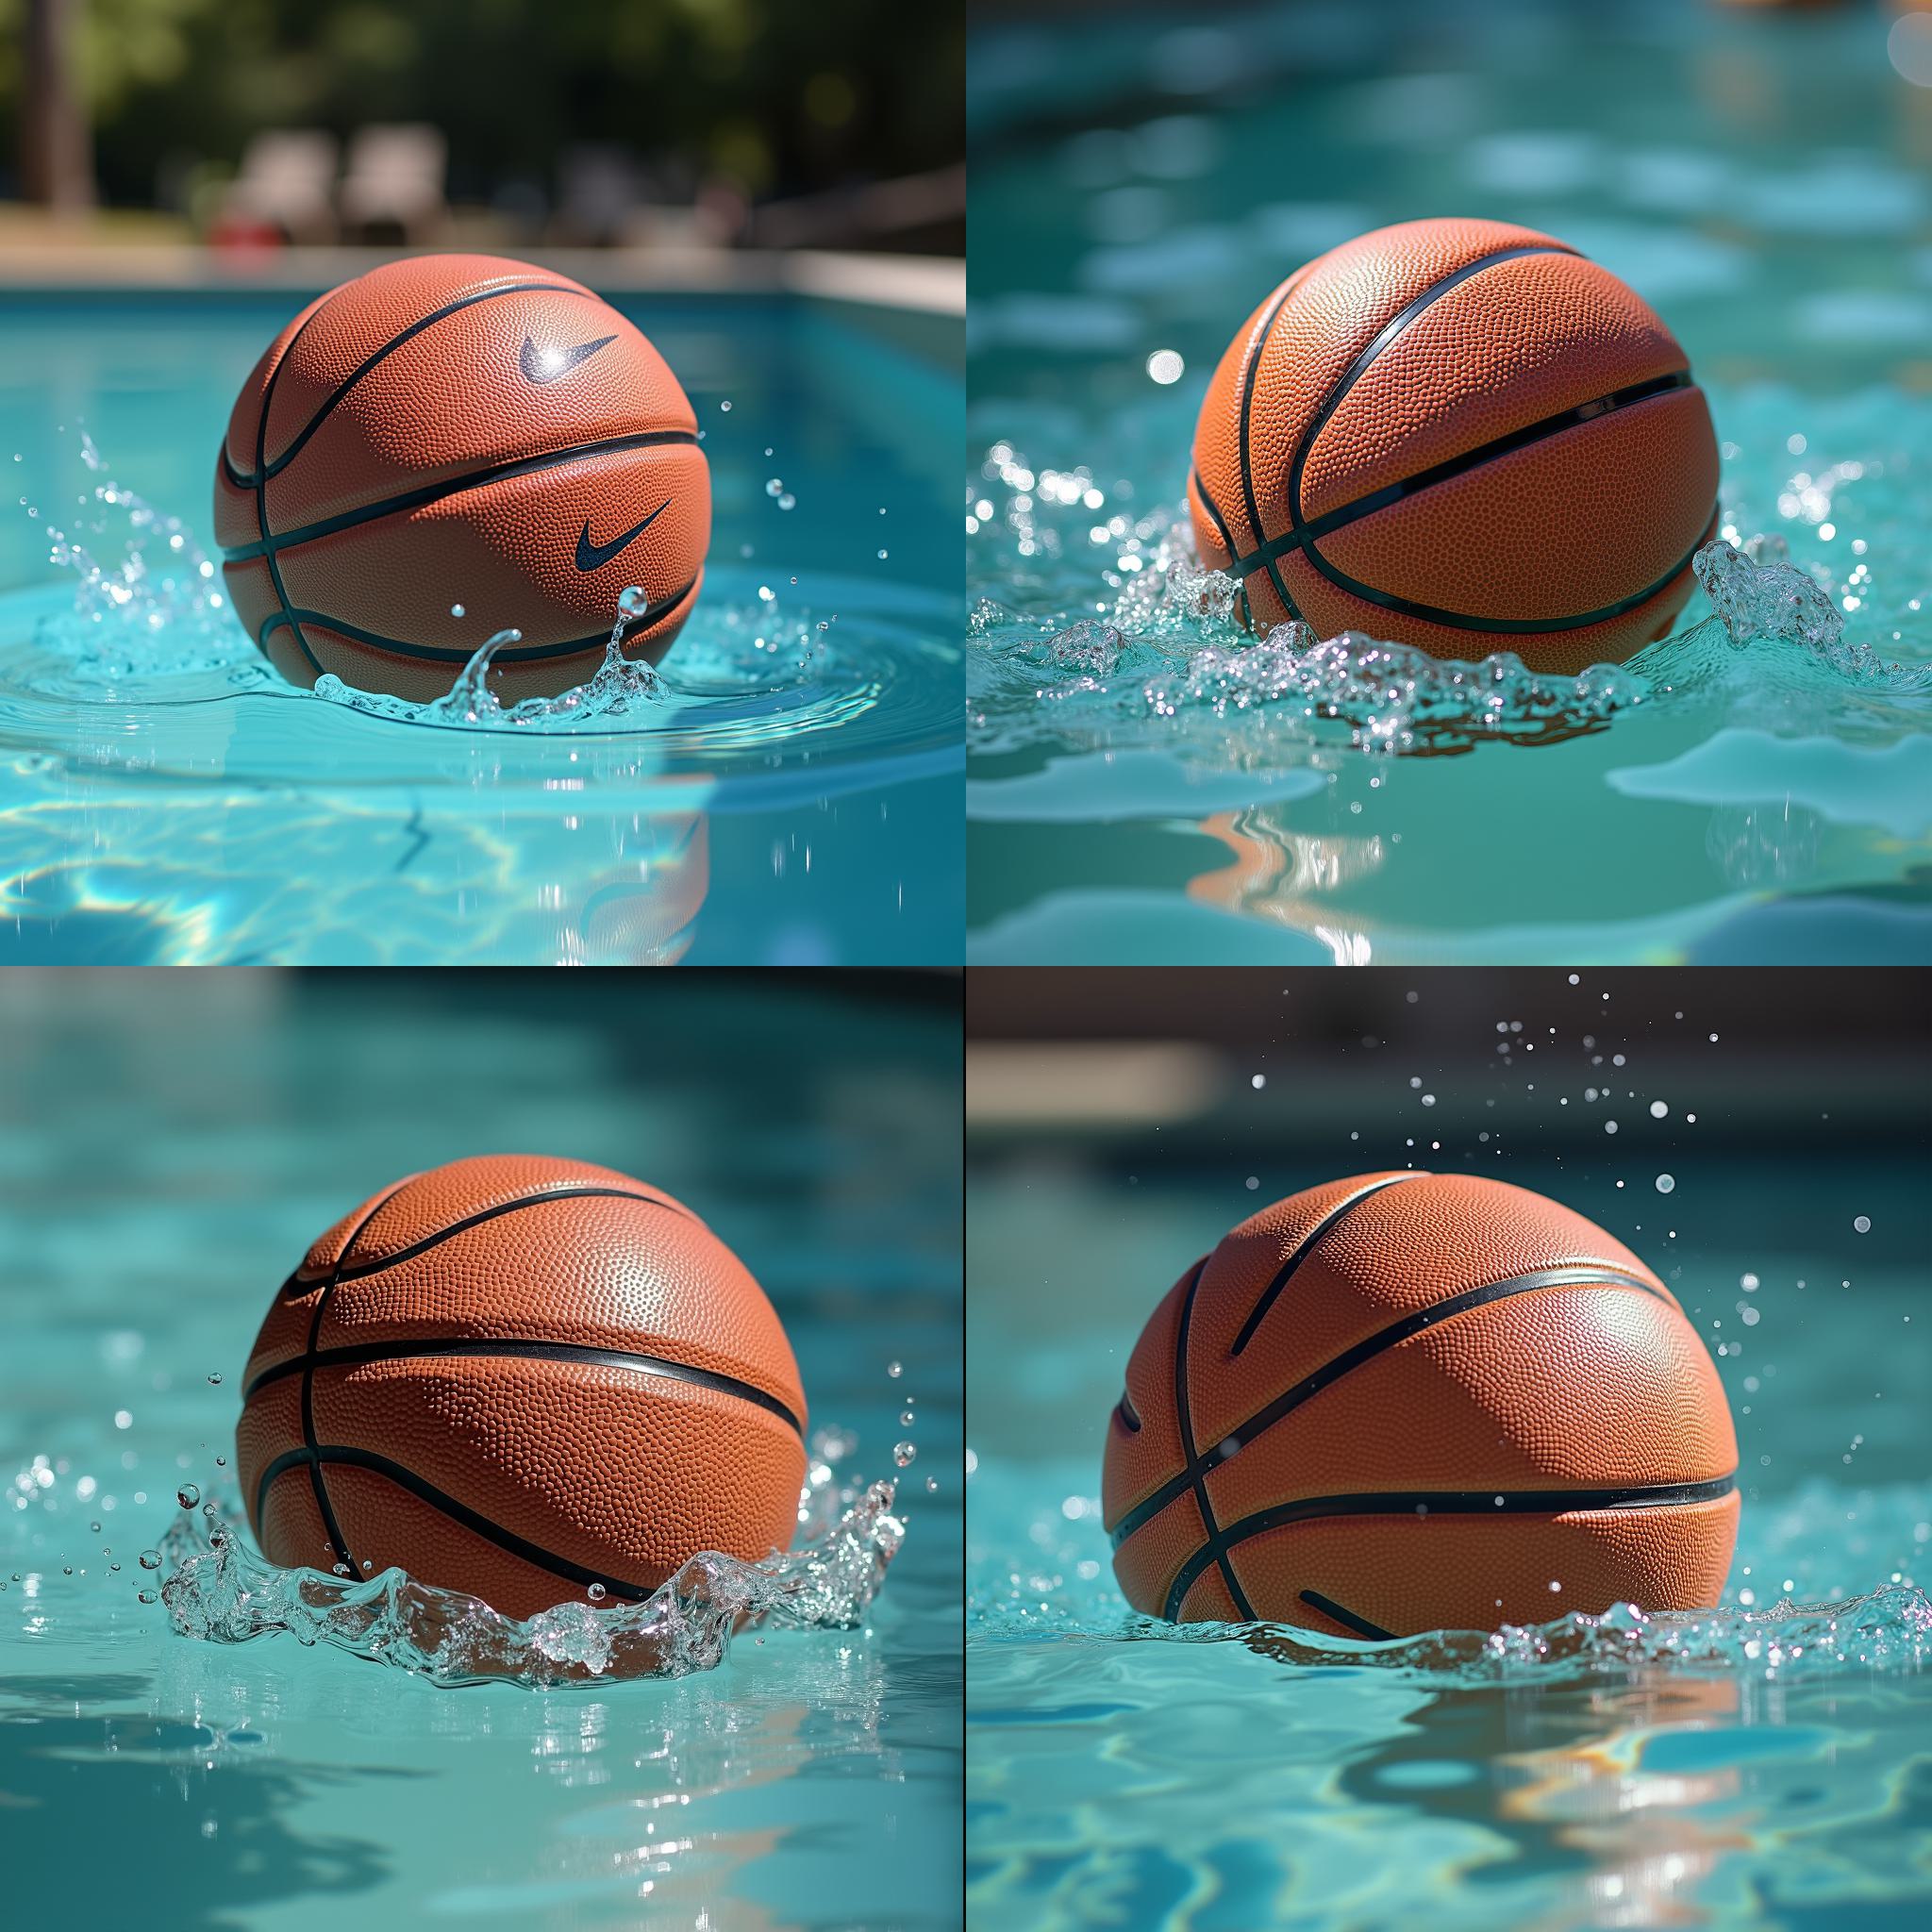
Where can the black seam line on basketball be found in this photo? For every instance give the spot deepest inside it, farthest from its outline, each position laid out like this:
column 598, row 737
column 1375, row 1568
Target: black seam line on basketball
column 1511, row 626
column 458, row 1512
column 1185, row 1422
column 521, row 654
column 491, row 1348
column 263, row 471
column 1269, row 1295
column 1445, row 1503
column 1249, row 376
column 1382, row 338
column 330, row 1527
column 1360, row 1625
column 494, row 1213
column 1576, row 1275
column 1329, row 521
column 258, row 485
column 273, row 545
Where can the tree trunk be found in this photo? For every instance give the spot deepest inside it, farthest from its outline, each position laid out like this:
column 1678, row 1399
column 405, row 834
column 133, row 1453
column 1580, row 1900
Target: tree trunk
column 57, row 162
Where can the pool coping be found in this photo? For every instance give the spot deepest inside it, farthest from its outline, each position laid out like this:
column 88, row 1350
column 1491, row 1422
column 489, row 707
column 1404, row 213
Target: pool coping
column 930, row 284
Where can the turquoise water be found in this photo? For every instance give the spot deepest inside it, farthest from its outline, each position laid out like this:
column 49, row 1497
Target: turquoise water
column 787, row 791
column 1148, row 783
column 166, row 1156
column 1760, row 1765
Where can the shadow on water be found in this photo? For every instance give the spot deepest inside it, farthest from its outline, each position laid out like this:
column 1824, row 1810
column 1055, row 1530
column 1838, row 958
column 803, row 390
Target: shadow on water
column 125, row 1818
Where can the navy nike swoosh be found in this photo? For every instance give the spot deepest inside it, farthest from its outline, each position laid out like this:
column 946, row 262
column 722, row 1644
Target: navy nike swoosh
column 596, row 556
column 547, row 365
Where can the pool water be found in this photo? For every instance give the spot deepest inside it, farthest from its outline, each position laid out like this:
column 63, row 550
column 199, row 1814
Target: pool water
column 165, row 1159
column 787, row 791
column 1150, row 783
column 1760, row 1764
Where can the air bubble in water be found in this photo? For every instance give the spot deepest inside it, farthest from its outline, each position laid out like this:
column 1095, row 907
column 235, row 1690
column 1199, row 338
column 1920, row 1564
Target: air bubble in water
column 905, row 1418
column 150, row 1559
column 596, row 1592
column 188, row 1495
column 905, row 1454
column 214, row 1381
column 1862, row 1223
column 1665, row 1183
column 894, row 1370
column 220, row 1462
column 148, row 1596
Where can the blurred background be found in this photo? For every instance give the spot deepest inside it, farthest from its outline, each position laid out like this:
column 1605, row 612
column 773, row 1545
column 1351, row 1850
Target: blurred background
column 1766, row 1124
column 1758, row 172
column 250, row 125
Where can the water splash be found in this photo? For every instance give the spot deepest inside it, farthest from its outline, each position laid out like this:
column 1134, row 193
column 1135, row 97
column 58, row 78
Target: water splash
column 220, row 1590
column 1161, row 646
column 149, row 605
column 1889, row 1629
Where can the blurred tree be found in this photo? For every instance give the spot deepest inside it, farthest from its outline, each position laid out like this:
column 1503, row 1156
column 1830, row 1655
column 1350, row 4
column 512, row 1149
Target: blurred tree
column 768, row 97
column 55, row 159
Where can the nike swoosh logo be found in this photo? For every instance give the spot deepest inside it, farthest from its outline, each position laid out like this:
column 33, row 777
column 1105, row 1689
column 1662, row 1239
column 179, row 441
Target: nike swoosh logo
column 547, row 365
column 596, row 556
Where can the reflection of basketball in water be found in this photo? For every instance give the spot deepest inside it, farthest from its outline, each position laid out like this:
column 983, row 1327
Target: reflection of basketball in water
column 520, row 1377
column 1409, row 1402
column 1458, row 435
column 452, row 432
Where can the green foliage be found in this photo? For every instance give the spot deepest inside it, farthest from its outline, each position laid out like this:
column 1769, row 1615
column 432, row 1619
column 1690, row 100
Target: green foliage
column 777, row 96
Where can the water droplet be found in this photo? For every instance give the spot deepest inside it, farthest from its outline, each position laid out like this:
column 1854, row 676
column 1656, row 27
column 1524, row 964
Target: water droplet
column 932, row 1485
column 341, row 1568
column 150, row 1559
column 905, row 1418
column 774, row 487
column 95, row 1528
column 788, row 501
column 67, row 1569
column 895, row 1370
column 458, row 610
column 633, row 601
column 188, row 1495
column 597, row 1592
column 114, row 1568
column 904, row 1454
column 220, row 1462
column 1658, row 1108
column 1665, row 1183
column 214, row 1381
column 1862, row 1223
column 725, row 409
column 882, row 557
column 147, row 1596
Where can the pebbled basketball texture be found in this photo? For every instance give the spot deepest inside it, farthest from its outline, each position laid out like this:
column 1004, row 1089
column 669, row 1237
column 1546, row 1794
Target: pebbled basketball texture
column 1406, row 1402
column 518, row 1377
column 459, row 431
column 1460, row 435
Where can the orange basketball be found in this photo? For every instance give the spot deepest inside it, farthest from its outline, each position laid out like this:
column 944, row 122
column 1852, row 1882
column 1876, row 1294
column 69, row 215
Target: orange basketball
column 1412, row 1401
column 456, row 431
column 520, row 1377
column 1458, row 435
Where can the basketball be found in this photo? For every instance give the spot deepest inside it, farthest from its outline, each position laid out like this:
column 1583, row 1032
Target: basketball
column 1410, row 1402
column 1463, row 436
column 522, row 1378
column 449, row 447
